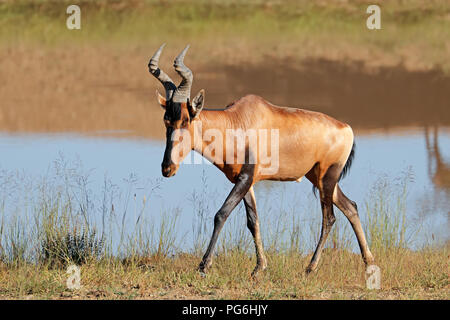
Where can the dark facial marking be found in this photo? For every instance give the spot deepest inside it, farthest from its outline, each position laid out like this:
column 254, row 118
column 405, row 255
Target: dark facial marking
column 175, row 117
column 167, row 160
column 173, row 111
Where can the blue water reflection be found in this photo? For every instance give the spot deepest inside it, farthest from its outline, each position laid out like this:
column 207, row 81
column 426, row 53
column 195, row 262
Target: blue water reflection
column 378, row 156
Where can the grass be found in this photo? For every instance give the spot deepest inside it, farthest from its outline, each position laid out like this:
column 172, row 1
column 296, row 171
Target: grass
column 405, row 275
column 414, row 34
column 129, row 253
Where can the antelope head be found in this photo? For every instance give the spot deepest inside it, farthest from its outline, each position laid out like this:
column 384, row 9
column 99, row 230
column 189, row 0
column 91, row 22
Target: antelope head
column 179, row 110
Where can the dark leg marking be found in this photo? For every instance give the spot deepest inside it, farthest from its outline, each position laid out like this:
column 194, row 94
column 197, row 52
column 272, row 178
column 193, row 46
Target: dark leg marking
column 240, row 189
column 326, row 187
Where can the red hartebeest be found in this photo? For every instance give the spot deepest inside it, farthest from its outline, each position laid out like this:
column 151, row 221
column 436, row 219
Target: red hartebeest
column 310, row 144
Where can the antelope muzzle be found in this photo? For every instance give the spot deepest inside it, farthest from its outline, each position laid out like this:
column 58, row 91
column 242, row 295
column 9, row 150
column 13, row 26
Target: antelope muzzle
column 169, row 170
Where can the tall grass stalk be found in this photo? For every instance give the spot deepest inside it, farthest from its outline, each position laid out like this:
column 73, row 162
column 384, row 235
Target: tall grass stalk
column 62, row 220
column 386, row 223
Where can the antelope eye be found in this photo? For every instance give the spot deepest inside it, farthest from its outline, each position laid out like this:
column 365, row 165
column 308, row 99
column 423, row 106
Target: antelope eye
column 184, row 123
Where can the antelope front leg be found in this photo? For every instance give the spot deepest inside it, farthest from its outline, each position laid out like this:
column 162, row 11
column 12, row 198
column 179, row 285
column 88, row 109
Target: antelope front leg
column 245, row 181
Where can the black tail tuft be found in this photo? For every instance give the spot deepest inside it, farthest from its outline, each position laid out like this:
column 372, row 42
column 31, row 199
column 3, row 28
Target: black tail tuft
column 344, row 171
column 314, row 190
column 348, row 164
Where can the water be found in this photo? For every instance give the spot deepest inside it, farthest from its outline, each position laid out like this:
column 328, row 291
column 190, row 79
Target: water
column 388, row 108
column 133, row 166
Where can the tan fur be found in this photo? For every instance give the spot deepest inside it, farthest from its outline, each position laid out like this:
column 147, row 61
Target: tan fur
column 305, row 137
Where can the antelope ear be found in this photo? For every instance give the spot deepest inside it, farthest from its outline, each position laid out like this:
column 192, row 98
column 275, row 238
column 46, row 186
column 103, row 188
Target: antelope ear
column 161, row 100
column 197, row 103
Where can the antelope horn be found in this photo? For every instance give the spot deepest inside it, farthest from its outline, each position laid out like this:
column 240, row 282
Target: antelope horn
column 183, row 92
column 161, row 75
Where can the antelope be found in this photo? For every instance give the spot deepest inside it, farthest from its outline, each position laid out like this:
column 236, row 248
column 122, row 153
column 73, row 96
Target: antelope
column 311, row 144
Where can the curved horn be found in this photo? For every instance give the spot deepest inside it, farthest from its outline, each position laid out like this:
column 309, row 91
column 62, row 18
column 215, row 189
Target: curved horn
column 183, row 92
column 161, row 75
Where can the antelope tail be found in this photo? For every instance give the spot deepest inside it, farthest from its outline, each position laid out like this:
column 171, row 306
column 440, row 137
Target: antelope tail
column 348, row 164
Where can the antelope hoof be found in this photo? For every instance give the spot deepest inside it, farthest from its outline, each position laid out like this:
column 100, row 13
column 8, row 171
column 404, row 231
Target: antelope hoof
column 202, row 272
column 310, row 269
column 257, row 271
column 203, row 268
column 255, row 274
column 260, row 267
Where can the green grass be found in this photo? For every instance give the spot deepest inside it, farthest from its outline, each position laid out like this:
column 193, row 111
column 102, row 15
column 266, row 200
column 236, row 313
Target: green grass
column 415, row 33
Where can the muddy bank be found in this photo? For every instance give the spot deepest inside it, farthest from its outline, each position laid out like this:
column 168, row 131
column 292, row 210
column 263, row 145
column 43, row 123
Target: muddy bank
column 97, row 91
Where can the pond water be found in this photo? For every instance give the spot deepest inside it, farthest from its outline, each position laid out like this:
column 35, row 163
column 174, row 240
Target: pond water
column 384, row 164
